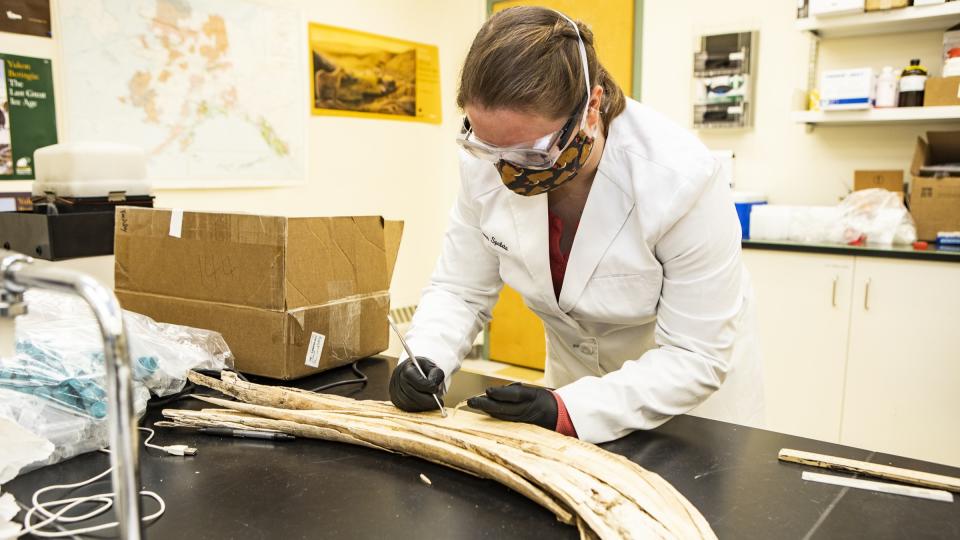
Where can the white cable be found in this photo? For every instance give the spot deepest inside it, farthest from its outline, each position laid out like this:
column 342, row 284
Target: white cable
column 104, row 500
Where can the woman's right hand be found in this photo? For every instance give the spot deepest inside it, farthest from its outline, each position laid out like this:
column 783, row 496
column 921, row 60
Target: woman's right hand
column 412, row 392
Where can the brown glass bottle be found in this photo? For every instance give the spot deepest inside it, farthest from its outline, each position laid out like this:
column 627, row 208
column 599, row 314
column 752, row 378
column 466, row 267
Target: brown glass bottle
column 913, row 82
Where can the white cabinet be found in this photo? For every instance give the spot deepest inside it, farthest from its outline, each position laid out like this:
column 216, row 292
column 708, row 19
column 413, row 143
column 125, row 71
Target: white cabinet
column 903, row 368
column 861, row 350
column 803, row 310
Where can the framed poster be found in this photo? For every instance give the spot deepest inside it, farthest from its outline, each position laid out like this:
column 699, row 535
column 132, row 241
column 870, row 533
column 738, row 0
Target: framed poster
column 28, row 119
column 30, row 17
column 365, row 75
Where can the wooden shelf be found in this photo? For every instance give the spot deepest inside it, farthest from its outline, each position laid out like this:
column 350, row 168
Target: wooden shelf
column 909, row 19
column 904, row 115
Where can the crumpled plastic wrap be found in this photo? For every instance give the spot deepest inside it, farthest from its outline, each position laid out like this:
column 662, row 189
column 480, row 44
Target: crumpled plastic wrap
column 876, row 215
column 55, row 384
column 879, row 216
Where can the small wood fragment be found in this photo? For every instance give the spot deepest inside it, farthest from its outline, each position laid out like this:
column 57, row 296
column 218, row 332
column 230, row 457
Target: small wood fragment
column 425, row 480
column 876, row 470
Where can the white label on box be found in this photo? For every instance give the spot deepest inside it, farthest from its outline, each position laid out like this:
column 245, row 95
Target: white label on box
column 315, row 349
column 734, row 56
column 176, row 222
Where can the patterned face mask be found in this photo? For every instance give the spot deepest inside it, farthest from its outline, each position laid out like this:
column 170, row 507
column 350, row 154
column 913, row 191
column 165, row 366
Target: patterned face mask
column 529, row 182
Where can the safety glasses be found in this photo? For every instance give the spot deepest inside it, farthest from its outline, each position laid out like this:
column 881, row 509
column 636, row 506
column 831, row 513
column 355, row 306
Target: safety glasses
column 544, row 152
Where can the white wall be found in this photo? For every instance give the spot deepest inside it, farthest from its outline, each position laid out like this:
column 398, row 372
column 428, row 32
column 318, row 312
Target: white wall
column 777, row 156
column 402, row 170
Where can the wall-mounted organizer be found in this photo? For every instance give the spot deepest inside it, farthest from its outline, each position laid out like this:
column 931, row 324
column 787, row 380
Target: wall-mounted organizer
column 724, row 73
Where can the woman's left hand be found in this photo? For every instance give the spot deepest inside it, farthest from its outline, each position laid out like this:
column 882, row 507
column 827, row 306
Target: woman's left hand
column 519, row 403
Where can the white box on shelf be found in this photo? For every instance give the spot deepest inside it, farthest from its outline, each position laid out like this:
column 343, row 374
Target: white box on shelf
column 951, row 40
column 820, row 8
column 927, row 2
column 847, row 89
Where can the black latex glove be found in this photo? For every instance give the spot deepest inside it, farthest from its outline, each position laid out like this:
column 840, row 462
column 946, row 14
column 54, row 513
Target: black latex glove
column 519, row 403
column 410, row 391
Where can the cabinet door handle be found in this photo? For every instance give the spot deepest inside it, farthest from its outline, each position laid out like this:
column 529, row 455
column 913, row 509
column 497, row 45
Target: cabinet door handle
column 833, row 298
column 866, row 296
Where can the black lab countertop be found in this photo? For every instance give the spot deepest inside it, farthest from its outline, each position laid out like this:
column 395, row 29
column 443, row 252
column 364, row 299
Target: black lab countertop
column 238, row 488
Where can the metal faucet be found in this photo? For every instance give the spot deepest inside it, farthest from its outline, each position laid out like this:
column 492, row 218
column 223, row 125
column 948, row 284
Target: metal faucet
column 19, row 273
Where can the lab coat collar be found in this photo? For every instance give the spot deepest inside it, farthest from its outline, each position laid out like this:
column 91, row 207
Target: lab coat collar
column 606, row 211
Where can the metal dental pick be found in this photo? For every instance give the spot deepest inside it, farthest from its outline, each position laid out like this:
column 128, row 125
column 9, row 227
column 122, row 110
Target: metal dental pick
column 413, row 359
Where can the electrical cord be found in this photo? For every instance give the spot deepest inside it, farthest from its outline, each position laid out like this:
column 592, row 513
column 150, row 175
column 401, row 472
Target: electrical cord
column 56, row 518
column 362, row 381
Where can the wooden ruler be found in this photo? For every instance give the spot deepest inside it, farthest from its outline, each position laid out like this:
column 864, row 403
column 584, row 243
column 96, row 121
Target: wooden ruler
column 887, row 472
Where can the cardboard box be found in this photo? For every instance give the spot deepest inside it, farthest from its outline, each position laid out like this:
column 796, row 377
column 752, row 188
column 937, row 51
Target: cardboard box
column 291, row 296
column 847, row 89
column 888, row 180
column 880, row 5
column 935, row 202
column 942, row 91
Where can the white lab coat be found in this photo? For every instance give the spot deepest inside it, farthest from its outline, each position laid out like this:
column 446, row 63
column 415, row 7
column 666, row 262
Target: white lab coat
column 653, row 312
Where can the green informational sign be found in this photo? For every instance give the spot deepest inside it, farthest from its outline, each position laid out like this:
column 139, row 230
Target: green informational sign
column 27, row 117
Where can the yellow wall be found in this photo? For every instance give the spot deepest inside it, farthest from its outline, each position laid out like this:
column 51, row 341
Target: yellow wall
column 612, row 24
column 402, row 170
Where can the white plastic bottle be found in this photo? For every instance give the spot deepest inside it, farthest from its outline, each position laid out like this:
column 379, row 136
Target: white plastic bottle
column 951, row 68
column 886, row 89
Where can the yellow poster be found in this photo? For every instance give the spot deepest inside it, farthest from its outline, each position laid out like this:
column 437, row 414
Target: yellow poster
column 370, row 76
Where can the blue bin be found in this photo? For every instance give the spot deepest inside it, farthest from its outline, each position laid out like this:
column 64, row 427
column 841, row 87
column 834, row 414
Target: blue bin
column 743, row 212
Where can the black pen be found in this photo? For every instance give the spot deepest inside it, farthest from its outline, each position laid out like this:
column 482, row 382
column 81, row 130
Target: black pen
column 247, row 434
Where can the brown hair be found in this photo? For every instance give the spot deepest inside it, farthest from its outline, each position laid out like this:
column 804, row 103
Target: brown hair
column 527, row 58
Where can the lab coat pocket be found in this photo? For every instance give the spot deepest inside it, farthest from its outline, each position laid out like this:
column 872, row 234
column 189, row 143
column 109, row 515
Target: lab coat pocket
column 629, row 299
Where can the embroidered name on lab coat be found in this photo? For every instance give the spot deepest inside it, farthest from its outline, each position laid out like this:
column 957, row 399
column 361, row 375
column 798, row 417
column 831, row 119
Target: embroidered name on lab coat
column 493, row 240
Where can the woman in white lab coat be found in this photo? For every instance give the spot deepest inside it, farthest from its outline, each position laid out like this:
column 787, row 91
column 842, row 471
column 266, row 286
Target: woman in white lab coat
column 614, row 226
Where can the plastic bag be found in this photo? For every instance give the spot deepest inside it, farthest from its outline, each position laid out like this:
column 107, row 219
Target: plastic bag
column 61, row 332
column 55, row 384
column 71, row 434
column 875, row 214
column 879, row 216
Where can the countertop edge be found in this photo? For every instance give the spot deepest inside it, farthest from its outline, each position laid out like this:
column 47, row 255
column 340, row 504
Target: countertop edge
column 917, row 255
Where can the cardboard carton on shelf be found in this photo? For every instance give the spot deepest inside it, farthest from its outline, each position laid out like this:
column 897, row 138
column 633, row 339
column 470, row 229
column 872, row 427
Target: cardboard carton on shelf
column 935, row 184
column 881, row 5
column 291, row 296
column 942, row 92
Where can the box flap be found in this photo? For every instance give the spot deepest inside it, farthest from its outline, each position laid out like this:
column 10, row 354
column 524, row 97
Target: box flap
column 943, row 147
column 919, row 156
column 334, row 258
column 393, row 232
column 230, row 258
